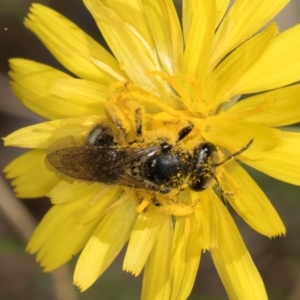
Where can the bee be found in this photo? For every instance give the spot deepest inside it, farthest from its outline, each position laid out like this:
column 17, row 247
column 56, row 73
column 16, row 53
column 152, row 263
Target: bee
column 156, row 163
column 158, row 166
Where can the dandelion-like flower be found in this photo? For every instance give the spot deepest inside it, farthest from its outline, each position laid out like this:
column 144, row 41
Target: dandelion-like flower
column 140, row 144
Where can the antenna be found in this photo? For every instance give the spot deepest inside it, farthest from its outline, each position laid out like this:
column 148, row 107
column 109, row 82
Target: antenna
column 228, row 158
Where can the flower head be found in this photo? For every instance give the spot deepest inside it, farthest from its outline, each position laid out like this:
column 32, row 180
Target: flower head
column 141, row 144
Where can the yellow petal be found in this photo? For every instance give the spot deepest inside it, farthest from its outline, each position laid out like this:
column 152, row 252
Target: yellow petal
column 156, row 280
column 134, row 54
column 31, row 85
column 43, row 134
column 186, row 256
column 188, row 8
column 99, row 199
column 206, row 218
column 31, row 178
column 269, row 72
column 199, row 40
column 219, row 86
column 222, row 6
column 89, row 96
column 243, row 20
column 233, row 262
column 53, row 94
column 105, row 244
column 126, row 9
column 71, row 46
column 142, row 240
column 189, row 13
column 250, row 202
column 282, row 162
column 65, row 192
column 166, row 31
column 275, row 108
column 67, row 227
column 236, row 134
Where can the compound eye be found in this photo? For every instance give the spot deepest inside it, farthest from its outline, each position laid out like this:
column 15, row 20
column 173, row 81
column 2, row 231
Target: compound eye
column 204, row 168
column 203, row 152
column 101, row 136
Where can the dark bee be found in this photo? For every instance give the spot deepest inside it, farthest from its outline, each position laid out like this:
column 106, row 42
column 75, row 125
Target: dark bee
column 157, row 167
column 117, row 151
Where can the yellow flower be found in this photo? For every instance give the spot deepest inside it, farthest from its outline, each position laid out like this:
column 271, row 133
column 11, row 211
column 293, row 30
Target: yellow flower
column 170, row 90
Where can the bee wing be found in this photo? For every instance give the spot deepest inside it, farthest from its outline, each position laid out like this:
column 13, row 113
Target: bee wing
column 110, row 165
column 137, row 182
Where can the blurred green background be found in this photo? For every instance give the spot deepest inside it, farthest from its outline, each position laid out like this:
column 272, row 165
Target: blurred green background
column 278, row 260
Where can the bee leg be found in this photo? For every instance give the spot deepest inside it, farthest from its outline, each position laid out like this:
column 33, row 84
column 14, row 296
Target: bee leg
column 223, row 193
column 179, row 209
column 122, row 123
column 116, row 112
column 127, row 115
column 156, row 202
column 169, row 205
column 224, row 200
column 138, row 118
column 144, row 200
column 169, row 208
column 143, row 205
